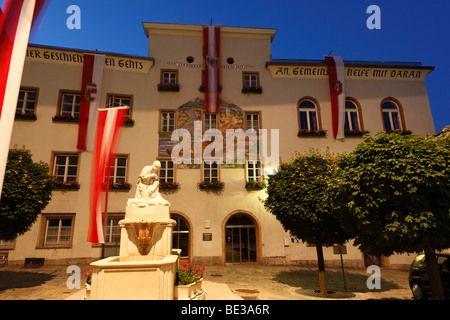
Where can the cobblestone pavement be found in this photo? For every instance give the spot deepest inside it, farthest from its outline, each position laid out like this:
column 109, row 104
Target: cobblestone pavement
column 244, row 281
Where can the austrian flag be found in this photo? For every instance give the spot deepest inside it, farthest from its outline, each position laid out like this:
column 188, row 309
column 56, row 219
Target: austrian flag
column 336, row 76
column 106, row 140
column 16, row 20
column 211, row 55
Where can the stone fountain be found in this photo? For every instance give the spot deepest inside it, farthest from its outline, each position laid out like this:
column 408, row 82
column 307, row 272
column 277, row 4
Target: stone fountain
column 145, row 267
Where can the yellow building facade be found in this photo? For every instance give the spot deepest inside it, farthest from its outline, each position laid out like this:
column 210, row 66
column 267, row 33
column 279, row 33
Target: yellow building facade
column 164, row 92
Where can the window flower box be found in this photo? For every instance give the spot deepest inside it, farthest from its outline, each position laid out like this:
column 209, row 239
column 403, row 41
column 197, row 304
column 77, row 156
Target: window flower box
column 255, row 185
column 355, row 133
column 169, row 186
column 26, row 116
column 168, row 87
column 120, row 186
column 311, row 133
column 402, row 132
column 128, row 122
column 252, row 89
column 65, row 118
column 213, row 186
column 64, row 185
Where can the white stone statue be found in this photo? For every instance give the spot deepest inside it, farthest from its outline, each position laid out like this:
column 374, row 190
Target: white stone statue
column 147, row 191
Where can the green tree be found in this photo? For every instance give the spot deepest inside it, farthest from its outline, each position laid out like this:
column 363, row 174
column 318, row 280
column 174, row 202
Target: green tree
column 397, row 191
column 299, row 197
column 27, row 189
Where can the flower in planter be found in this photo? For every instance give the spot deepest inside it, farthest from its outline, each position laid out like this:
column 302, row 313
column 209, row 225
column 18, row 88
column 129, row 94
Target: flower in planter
column 27, row 115
column 402, row 132
column 214, row 185
column 88, row 274
column 168, row 87
column 128, row 122
column 67, row 185
column 255, row 185
column 120, row 186
column 169, row 185
column 252, row 89
column 311, row 133
column 65, row 118
column 188, row 274
column 355, row 133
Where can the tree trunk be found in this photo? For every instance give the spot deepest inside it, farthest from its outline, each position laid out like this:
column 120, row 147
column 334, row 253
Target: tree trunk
column 433, row 275
column 321, row 263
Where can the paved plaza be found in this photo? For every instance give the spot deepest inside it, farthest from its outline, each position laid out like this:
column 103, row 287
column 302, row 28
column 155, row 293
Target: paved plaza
column 231, row 282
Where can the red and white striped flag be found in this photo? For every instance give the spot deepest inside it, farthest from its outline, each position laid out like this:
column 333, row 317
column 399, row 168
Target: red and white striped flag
column 211, row 55
column 91, row 87
column 16, row 19
column 106, row 140
column 336, row 75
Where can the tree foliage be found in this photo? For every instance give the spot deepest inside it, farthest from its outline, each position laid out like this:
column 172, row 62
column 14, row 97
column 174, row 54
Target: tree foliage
column 27, row 189
column 397, row 190
column 299, row 197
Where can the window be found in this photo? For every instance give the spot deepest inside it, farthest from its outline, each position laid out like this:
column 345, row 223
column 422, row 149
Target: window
column 70, row 104
column 26, row 104
column 113, row 230
column 115, row 101
column 57, row 230
column 251, row 80
column 308, row 115
column 252, row 121
column 210, row 121
column 167, row 121
column 118, row 173
column 167, row 171
column 180, row 235
column 210, row 171
column 351, row 116
column 391, row 115
column 169, row 76
column 65, row 167
column 254, row 170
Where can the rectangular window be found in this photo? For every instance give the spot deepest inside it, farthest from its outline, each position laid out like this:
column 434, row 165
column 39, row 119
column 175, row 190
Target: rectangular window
column 250, row 80
column 169, row 77
column 167, row 121
column 115, row 101
column 113, row 230
column 70, row 104
column 26, row 103
column 65, row 167
column 58, row 231
column 210, row 121
column 210, row 171
column 167, row 171
column 118, row 169
column 254, row 170
column 252, row 121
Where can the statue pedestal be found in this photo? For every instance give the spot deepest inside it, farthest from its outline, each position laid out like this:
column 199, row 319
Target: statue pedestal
column 161, row 239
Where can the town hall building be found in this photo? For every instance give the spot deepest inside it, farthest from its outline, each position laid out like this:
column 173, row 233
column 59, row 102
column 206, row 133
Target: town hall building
column 165, row 91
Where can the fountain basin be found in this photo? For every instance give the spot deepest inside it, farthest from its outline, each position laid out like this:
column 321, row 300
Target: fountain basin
column 134, row 278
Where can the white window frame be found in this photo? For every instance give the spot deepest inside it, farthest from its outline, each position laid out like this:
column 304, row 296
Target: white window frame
column 254, row 118
column 210, row 121
column 23, row 108
column 308, row 112
column 113, row 169
column 113, row 230
column 66, row 166
column 119, row 98
column 252, row 167
column 59, row 234
column 250, row 80
column 171, row 77
column 169, row 173
column 348, row 112
column 208, row 166
column 165, row 121
column 73, row 111
column 389, row 112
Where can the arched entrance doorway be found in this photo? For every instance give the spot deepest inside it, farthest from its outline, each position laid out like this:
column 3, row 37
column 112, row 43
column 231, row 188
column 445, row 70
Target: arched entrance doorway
column 241, row 239
column 181, row 238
